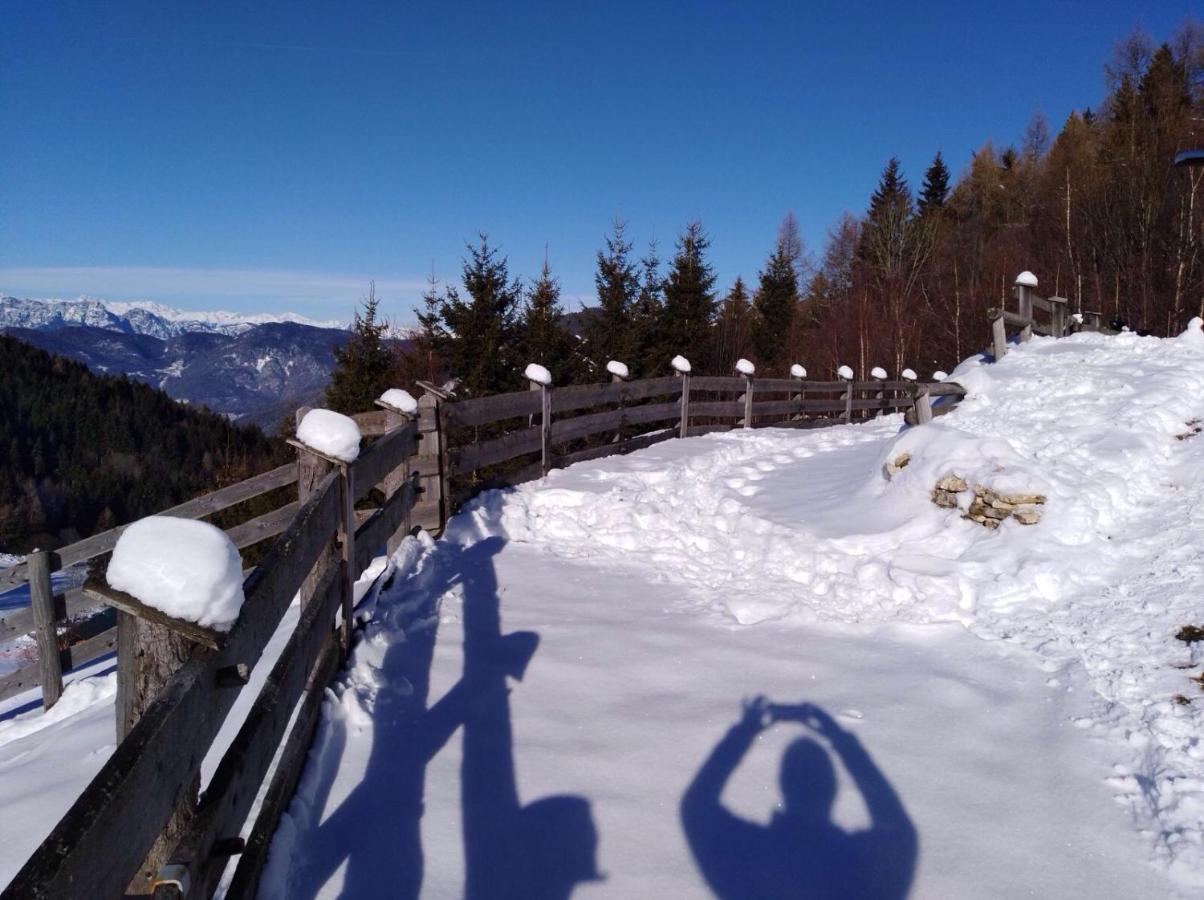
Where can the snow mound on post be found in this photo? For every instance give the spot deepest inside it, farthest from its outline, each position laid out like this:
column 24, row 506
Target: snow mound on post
column 537, row 373
column 187, row 569
column 744, row 367
column 908, row 375
column 681, row 364
column 402, row 401
column 938, row 375
column 845, row 372
column 798, row 371
column 330, row 433
column 878, row 372
column 614, row 367
column 1026, row 279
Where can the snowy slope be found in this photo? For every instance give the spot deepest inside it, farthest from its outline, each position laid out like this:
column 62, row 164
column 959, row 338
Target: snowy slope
column 1022, row 688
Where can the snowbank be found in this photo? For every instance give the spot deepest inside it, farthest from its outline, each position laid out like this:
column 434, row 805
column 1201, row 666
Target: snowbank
column 330, row 433
column 402, row 401
column 187, row 569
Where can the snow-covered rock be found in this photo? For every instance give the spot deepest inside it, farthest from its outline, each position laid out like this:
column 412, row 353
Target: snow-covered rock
column 797, row 371
column 187, row 569
column 330, row 433
column 681, row 364
column 614, row 367
column 878, row 373
column 1026, row 279
column 845, row 372
column 537, row 373
column 400, row 400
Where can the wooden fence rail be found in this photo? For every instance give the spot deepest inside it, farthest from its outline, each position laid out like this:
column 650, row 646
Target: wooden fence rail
column 414, row 469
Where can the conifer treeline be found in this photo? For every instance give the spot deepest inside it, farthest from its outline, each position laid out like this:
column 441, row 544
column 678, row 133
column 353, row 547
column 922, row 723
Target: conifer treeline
column 1099, row 213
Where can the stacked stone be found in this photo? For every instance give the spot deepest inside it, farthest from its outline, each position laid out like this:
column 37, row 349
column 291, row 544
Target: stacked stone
column 989, row 507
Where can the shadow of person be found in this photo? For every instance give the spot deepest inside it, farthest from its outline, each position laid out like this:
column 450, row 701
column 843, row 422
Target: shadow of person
column 538, row 851
column 801, row 852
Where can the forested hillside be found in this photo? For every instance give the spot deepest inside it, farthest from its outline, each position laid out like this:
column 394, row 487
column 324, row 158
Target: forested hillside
column 83, row 452
column 1096, row 208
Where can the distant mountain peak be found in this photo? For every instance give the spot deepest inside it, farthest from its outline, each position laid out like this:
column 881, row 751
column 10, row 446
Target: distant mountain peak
column 137, row 317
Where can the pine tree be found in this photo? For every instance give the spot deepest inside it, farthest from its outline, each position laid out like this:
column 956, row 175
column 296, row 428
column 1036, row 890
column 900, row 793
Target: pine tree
column 776, row 298
column 475, row 335
column 732, row 328
column 689, row 307
column 935, row 190
column 362, row 364
column 608, row 330
column 646, row 338
column 545, row 340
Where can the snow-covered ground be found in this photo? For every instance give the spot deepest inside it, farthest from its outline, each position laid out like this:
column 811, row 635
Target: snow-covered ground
column 1008, row 712
column 1020, row 692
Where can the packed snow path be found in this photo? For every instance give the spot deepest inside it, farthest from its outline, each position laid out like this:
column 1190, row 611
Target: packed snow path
column 1000, row 706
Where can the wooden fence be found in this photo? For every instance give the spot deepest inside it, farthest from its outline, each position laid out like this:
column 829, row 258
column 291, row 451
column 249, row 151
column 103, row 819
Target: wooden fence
column 142, row 813
column 1056, row 321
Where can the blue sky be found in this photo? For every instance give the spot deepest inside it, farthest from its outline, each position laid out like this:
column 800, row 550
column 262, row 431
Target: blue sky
column 263, row 157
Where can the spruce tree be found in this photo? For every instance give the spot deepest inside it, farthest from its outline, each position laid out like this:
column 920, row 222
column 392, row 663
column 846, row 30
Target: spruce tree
column 545, row 340
column 646, row 339
column 608, row 330
column 475, row 334
column 776, row 298
column 935, row 190
column 732, row 328
column 689, row 306
column 362, row 364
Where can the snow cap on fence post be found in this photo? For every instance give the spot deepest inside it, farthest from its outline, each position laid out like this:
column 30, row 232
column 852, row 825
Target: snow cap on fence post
column 845, row 372
column 878, row 373
column 745, row 367
column 1026, row 279
column 398, row 401
column 330, row 434
column 908, row 375
column 618, row 370
column 938, row 375
column 184, row 568
column 797, row 371
column 681, row 364
column 537, row 374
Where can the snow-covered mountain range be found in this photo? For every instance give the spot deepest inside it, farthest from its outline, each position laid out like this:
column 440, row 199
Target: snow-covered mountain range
column 254, row 368
column 136, row 317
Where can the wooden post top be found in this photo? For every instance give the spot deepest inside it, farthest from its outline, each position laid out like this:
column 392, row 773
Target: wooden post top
column 100, row 591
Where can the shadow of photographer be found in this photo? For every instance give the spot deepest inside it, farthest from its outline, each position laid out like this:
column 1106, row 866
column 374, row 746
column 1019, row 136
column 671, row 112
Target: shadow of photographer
column 801, row 852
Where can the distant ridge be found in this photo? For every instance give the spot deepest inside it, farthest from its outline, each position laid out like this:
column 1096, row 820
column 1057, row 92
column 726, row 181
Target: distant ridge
column 138, row 317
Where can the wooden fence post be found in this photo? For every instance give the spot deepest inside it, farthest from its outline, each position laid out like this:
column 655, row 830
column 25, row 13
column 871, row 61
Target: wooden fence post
column 848, row 393
column 347, row 545
column 41, row 601
column 879, row 375
column 545, row 425
column 748, row 390
column 684, row 429
column 799, row 373
column 1057, row 313
column 923, row 407
column 395, row 480
column 311, row 469
column 618, row 374
column 1025, row 282
column 999, row 337
column 431, row 455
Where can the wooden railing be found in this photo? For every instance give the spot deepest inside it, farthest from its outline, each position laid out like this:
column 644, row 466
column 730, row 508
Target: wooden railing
column 1023, row 323
column 131, row 817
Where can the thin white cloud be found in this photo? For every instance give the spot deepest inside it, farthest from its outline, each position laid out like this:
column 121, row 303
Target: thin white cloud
column 176, row 284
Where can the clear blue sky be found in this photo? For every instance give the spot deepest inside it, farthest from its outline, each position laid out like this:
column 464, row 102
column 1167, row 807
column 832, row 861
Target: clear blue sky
column 262, row 157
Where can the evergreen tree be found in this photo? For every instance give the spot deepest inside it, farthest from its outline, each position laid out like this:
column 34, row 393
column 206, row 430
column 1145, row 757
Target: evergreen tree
column 362, row 364
column 935, row 190
column 608, row 330
column 419, row 359
column 732, row 328
column 545, row 340
column 689, row 306
column 776, row 298
column 646, row 338
column 475, row 335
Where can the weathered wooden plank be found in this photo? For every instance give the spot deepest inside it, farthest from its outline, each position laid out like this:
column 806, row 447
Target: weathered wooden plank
column 483, row 410
column 383, row 457
column 96, row 588
column 699, row 430
column 19, row 622
column 372, row 423
column 136, row 790
column 255, row 531
column 487, row 453
column 245, row 884
column 637, row 443
column 715, row 383
column 193, row 509
column 945, row 389
column 24, row 679
column 591, row 423
column 667, row 386
column 582, row 396
column 232, row 790
column 650, row 412
column 93, row 648
column 716, row 408
column 373, row 533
